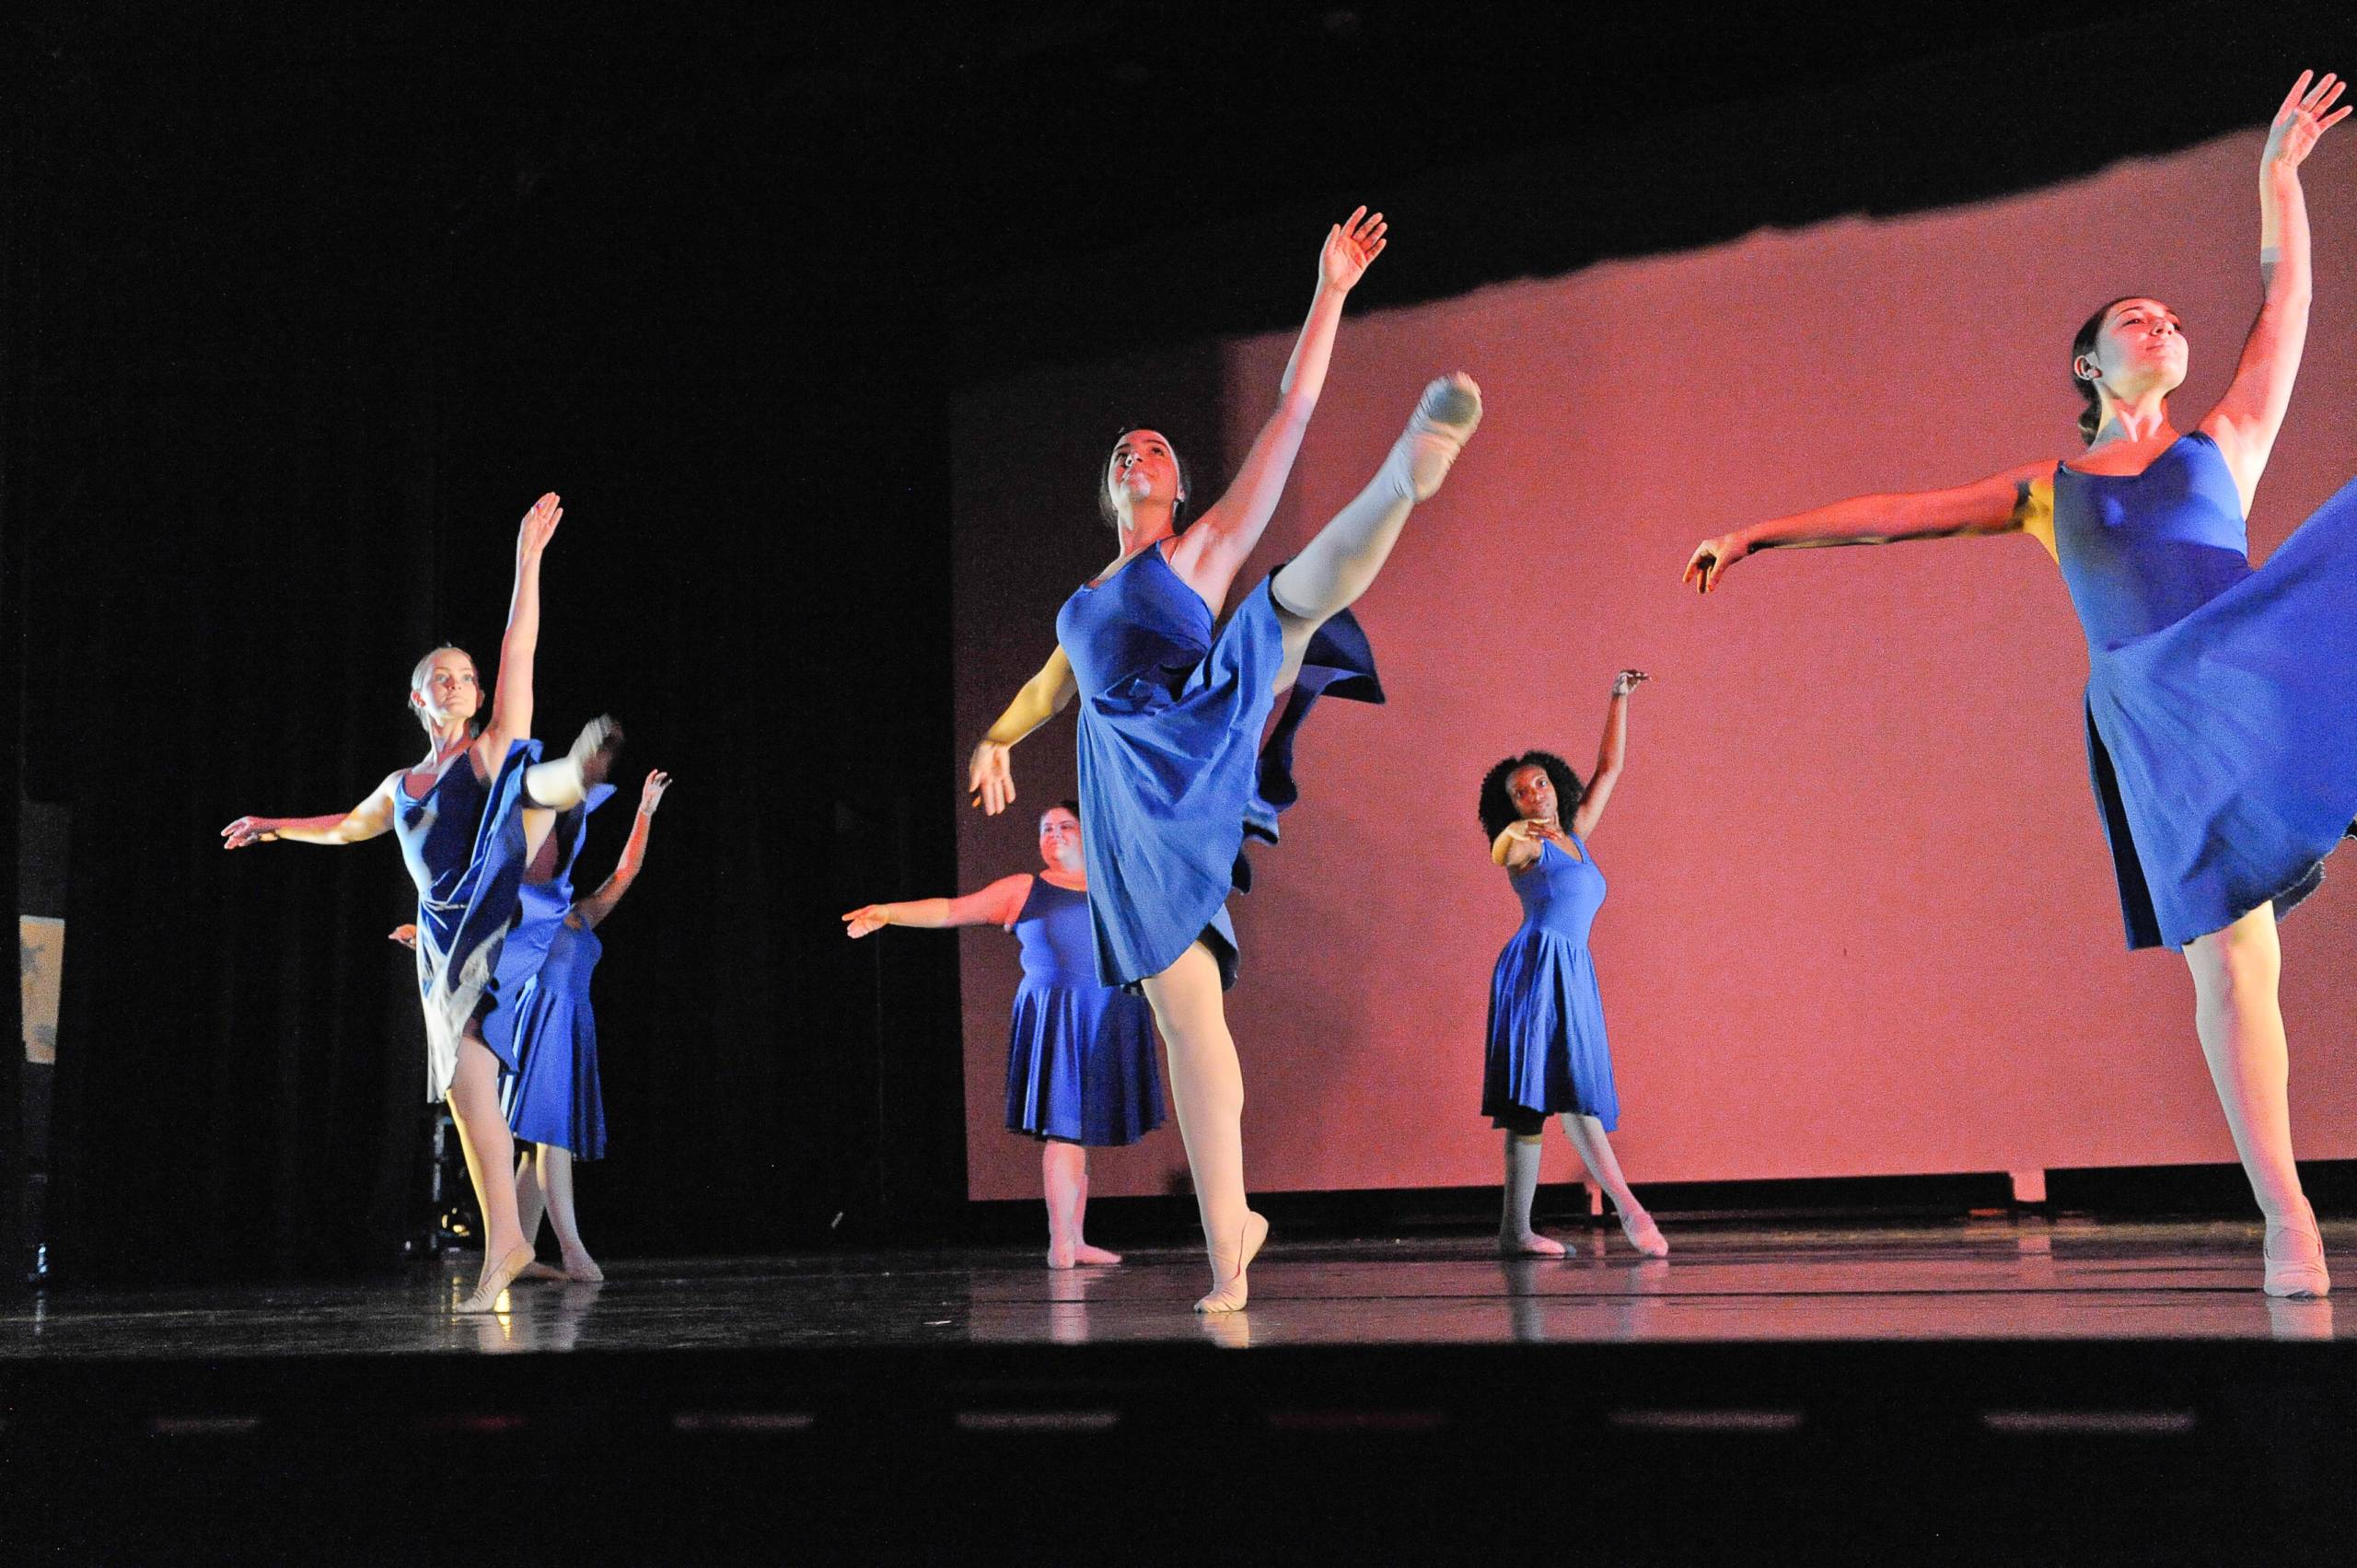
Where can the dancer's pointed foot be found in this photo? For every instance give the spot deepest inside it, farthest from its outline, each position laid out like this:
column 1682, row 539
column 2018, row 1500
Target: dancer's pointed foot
column 581, row 1268
column 1444, row 420
column 492, row 1283
column 1643, row 1234
column 594, row 749
column 1230, row 1292
column 1529, row 1244
column 2294, row 1255
column 1094, row 1256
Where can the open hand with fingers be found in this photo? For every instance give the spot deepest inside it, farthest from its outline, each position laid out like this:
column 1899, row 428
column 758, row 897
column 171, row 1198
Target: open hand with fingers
column 650, row 794
column 990, row 778
column 1350, row 246
column 2302, row 119
column 539, row 526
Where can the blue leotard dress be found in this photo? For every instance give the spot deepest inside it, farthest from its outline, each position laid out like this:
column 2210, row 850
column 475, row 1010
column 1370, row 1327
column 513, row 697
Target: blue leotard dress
column 556, row 1097
column 1547, row 1049
column 1079, row 1053
column 1173, row 772
column 2221, row 729
column 540, row 907
column 463, row 843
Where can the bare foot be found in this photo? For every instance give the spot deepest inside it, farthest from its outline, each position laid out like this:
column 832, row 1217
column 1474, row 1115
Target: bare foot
column 1230, row 1294
column 1529, row 1244
column 1643, row 1234
column 1095, row 1257
column 582, row 1269
column 494, row 1280
column 1060, row 1254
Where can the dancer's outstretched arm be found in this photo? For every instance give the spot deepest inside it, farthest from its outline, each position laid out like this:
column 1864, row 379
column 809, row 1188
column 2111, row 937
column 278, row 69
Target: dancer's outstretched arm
column 1209, row 555
column 367, row 821
column 2247, row 419
column 1610, row 754
column 997, row 905
column 511, row 692
column 2016, row 501
column 989, row 776
column 588, row 913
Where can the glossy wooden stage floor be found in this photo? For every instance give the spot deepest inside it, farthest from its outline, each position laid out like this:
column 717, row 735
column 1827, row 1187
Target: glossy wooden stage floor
column 1994, row 1280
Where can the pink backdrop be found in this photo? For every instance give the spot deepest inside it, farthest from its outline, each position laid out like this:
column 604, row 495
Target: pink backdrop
column 1862, row 918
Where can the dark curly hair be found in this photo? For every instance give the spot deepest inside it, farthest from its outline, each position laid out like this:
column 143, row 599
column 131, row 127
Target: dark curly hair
column 2091, row 416
column 1105, row 491
column 1498, row 811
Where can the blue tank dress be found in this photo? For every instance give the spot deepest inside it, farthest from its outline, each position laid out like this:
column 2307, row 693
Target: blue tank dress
column 463, row 843
column 555, row 1096
column 2222, row 732
column 1173, row 772
column 541, row 908
column 1547, row 1049
column 1079, row 1053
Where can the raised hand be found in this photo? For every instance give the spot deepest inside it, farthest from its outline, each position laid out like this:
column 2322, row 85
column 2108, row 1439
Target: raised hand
column 1711, row 559
column 650, row 794
column 249, row 830
column 404, row 935
column 2301, row 120
column 1350, row 244
column 539, row 526
column 864, row 919
column 990, row 778
column 1626, row 682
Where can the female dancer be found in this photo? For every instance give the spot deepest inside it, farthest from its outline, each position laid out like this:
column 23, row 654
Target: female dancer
column 1080, row 1069
column 2220, row 735
column 1547, row 1051
column 1170, row 716
column 460, row 815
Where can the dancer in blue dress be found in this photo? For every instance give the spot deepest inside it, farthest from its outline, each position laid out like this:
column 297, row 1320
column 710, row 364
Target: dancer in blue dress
column 1547, row 1055
column 461, row 816
column 1080, row 1071
column 1172, row 708
column 2219, row 732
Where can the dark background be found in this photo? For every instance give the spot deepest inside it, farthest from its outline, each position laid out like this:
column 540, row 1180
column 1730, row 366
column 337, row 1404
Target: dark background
column 299, row 317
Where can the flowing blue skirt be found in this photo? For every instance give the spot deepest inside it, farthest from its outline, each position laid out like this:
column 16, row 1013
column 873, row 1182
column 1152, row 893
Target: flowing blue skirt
column 459, row 937
column 1547, row 1048
column 1080, row 1063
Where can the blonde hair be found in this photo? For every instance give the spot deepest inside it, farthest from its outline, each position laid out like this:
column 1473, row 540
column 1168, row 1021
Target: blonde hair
column 425, row 667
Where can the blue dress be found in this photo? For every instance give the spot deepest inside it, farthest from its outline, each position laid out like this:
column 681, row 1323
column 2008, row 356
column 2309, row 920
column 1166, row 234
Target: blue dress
column 541, row 908
column 1079, row 1053
column 1547, row 1049
column 2222, row 733
column 463, row 843
column 555, row 1096
column 1172, row 770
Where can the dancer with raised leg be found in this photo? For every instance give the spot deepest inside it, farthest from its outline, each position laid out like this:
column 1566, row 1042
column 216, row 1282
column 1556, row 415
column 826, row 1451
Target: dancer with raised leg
column 1080, row 1071
column 461, row 816
column 1547, row 1055
column 2221, row 736
column 1172, row 714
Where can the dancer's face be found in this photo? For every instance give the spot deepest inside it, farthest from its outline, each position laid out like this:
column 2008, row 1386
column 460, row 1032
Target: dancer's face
column 1142, row 468
column 1533, row 794
column 2140, row 350
column 449, row 692
column 1060, row 839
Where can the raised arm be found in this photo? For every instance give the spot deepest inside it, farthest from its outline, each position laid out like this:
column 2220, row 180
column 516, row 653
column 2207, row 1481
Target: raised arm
column 2018, row 500
column 511, row 693
column 2247, row 419
column 367, row 821
column 997, row 905
column 600, row 904
column 1609, row 755
column 1215, row 546
column 988, row 774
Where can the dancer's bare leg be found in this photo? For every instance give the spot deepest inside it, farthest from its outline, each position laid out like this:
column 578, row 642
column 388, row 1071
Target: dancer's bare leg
column 1335, row 567
column 556, row 1180
column 1082, row 1252
column 2236, row 1012
column 483, row 1136
column 530, row 1206
column 1059, row 1181
column 1587, row 1134
column 1516, row 1239
column 1207, row 1086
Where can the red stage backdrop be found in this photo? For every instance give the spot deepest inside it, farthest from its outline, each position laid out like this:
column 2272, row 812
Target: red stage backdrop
column 1862, row 920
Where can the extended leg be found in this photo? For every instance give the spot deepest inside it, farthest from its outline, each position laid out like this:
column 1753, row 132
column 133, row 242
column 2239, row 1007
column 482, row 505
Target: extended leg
column 1207, row 1086
column 482, row 1134
column 561, row 784
column 1516, row 1239
column 2241, row 1023
column 1587, row 1134
column 1337, row 566
column 556, row 1180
